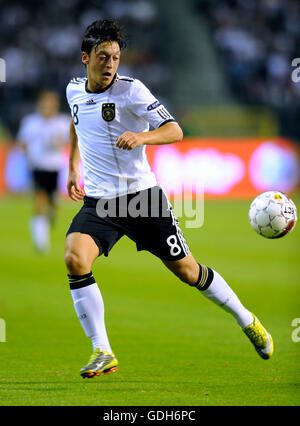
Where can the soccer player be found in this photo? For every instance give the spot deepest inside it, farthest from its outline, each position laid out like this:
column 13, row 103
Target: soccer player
column 43, row 135
column 109, row 130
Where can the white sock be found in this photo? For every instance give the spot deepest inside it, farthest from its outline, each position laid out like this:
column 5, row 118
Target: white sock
column 222, row 295
column 88, row 304
column 40, row 232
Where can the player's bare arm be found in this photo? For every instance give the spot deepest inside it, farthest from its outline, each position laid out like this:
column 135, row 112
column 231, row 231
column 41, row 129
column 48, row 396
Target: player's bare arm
column 74, row 190
column 168, row 133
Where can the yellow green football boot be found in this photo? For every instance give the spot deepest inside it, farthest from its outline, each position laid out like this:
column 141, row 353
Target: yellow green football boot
column 100, row 362
column 260, row 338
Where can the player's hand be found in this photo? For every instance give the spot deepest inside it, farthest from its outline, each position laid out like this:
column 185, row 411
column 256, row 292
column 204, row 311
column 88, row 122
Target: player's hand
column 129, row 140
column 74, row 190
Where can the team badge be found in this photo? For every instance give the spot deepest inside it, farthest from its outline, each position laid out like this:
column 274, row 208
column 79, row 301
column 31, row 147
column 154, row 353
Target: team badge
column 108, row 111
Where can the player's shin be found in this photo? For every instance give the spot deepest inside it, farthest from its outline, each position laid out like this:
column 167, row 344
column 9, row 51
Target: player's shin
column 88, row 304
column 215, row 288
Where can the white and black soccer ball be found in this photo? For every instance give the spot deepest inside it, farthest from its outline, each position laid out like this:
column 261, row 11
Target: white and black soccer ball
column 272, row 214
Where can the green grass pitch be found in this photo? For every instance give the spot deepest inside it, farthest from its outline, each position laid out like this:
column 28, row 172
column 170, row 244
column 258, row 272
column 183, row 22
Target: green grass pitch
column 175, row 348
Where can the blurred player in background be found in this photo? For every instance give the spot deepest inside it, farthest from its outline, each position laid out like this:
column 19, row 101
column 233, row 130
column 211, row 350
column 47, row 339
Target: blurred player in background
column 44, row 135
column 109, row 130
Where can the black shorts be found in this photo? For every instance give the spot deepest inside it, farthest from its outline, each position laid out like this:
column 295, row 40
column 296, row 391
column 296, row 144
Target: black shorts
column 146, row 217
column 45, row 180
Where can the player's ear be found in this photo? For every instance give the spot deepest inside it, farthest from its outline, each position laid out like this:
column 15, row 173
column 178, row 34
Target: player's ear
column 85, row 58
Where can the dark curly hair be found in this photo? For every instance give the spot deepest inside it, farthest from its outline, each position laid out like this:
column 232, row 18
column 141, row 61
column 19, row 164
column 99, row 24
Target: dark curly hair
column 100, row 31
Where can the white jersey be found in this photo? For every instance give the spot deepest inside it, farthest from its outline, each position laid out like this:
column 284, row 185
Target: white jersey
column 44, row 138
column 99, row 119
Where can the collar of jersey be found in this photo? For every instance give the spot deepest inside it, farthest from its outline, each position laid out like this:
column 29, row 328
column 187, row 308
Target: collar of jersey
column 105, row 88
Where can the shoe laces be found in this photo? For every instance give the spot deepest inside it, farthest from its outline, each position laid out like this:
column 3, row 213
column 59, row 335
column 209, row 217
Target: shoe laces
column 94, row 356
column 255, row 333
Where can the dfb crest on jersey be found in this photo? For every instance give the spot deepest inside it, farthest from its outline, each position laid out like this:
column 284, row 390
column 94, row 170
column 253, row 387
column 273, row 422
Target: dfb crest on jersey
column 108, row 111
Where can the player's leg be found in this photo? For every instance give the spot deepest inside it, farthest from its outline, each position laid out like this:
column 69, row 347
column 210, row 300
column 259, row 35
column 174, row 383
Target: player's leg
column 162, row 236
column 39, row 222
column 80, row 253
column 211, row 285
column 214, row 287
column 45, row 187
column 40, row 202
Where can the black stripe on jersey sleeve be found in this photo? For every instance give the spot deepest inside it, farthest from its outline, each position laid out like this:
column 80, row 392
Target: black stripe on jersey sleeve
column 167, row 121
column 163, row 109
column 162, row 114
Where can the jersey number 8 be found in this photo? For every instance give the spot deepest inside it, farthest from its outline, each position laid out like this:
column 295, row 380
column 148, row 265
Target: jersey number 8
column 75, row 116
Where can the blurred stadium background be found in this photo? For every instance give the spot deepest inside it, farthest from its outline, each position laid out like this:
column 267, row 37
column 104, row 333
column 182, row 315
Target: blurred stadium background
column 223, row 68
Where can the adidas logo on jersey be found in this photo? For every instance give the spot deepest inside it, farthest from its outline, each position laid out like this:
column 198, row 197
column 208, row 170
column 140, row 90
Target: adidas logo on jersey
column 90, row 102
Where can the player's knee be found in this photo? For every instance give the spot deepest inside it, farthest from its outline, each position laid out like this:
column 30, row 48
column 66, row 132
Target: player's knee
column 75, row 262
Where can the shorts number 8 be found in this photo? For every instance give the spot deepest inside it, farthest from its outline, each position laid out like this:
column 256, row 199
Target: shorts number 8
column 172, row 242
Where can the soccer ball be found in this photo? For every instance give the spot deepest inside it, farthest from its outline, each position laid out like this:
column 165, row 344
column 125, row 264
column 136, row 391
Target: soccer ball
column 272, row 214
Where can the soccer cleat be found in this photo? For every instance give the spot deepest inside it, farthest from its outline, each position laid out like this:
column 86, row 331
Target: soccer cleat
column 100, row 362
column 261, row 339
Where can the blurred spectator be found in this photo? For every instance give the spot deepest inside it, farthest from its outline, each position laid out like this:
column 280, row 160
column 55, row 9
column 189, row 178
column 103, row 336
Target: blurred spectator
column 257, row 40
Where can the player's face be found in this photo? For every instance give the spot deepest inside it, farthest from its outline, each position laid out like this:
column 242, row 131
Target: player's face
column 48, row 104
column 102, row 63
